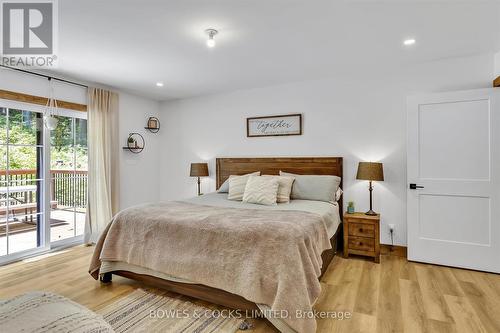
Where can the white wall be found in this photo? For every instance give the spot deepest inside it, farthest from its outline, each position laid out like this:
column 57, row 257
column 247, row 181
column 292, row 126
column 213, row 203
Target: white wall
column 359, row 117
column 497, row 65
column 139, row 172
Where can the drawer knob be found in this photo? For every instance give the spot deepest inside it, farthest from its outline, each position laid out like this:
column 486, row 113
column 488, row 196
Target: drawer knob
column 360, row 243
column 360, row 229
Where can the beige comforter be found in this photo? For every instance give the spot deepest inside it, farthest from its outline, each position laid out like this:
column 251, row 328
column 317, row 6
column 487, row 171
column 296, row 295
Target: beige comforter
column 268, row 257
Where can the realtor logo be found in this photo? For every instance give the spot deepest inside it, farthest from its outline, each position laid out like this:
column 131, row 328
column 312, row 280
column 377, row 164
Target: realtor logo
column 28, row 33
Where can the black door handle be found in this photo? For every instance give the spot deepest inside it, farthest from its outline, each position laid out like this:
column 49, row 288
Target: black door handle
column 415, row 186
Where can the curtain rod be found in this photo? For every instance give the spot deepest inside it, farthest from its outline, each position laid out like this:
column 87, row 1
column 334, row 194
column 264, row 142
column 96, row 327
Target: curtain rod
column 44, row 75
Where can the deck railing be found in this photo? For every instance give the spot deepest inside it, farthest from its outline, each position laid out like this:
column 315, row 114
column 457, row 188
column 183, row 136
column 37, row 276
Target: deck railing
column 68, row 187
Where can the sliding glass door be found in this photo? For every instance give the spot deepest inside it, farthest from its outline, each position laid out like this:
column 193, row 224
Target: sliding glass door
column 68, row 176
column 43, row 180
column 21, row 181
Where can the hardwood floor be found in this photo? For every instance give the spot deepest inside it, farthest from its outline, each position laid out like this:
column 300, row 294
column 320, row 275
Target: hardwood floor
column 393, row 296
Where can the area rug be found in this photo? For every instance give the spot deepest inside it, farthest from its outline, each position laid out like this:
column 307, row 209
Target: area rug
column 145, row 311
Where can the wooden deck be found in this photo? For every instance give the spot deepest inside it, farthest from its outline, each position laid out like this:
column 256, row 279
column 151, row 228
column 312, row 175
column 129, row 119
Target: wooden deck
column 62, row 227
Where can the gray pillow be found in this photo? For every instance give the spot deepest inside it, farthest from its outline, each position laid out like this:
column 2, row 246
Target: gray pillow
column 224, row 188
column 314, row 187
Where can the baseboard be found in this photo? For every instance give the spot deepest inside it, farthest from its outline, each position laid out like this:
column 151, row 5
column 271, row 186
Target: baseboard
column 393, row 250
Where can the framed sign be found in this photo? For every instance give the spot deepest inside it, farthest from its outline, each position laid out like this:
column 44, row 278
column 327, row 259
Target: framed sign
column 290, row 124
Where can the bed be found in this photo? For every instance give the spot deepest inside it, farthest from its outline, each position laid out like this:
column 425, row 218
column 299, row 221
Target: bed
column 242, row 256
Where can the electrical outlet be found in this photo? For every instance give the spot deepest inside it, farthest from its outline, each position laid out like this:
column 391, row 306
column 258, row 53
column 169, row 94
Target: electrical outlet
column 391, row 227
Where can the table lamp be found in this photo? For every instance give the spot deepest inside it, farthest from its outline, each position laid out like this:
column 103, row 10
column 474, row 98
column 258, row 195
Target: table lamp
column 373, row 172
column 199, row 170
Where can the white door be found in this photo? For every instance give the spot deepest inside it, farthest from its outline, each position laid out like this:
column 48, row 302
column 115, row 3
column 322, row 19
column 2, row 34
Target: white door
column 454, row 160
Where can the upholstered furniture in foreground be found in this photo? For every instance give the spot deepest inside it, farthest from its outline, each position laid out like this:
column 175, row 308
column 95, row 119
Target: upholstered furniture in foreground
column 40, row 311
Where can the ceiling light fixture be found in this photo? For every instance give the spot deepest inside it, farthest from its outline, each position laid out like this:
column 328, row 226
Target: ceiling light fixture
column 159, row 84
column 211, row 33
column 409, row 42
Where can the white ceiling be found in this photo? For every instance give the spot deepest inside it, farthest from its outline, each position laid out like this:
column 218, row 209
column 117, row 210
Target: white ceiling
column 134, row 44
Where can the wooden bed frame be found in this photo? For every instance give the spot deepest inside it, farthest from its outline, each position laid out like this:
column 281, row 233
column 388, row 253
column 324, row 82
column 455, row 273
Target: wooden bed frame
column 239, row 166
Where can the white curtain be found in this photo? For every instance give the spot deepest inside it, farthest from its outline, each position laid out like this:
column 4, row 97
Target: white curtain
column 103, row 176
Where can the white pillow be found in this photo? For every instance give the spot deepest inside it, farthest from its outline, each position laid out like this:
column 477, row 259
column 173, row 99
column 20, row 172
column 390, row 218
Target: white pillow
column 284, row 188
column 237, row 185
column 261, row 190
column 314, row 187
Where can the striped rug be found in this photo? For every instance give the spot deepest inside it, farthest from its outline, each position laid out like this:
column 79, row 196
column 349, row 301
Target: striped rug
column 145, row 311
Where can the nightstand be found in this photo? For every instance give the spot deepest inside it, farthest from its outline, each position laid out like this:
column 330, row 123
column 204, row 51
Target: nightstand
column 361, row 235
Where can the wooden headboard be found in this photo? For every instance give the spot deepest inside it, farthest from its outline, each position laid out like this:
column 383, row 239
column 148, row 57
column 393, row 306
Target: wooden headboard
column 273, row 165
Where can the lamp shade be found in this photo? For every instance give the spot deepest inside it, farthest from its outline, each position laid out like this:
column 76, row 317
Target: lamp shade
column 199, row 170
column 370, row 171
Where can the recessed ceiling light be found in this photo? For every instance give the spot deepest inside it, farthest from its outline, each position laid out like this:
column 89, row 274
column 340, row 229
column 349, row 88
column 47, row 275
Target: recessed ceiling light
column 159, row 84
column 211, row 33
column 410, row 41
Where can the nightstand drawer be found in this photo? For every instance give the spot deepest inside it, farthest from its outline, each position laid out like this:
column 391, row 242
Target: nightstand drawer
column 362, row 244
column 361, row 229
column 355, row 220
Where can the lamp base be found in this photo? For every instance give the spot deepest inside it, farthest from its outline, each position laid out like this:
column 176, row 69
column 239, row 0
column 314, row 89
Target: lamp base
column 370, row 212
column 199, row 186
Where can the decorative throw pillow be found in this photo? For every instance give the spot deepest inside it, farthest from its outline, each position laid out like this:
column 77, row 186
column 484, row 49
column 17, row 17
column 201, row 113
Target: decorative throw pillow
column 314, row 187
column 261, row 190
column 224, row 188
column 237, row 185
column 284, row 188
